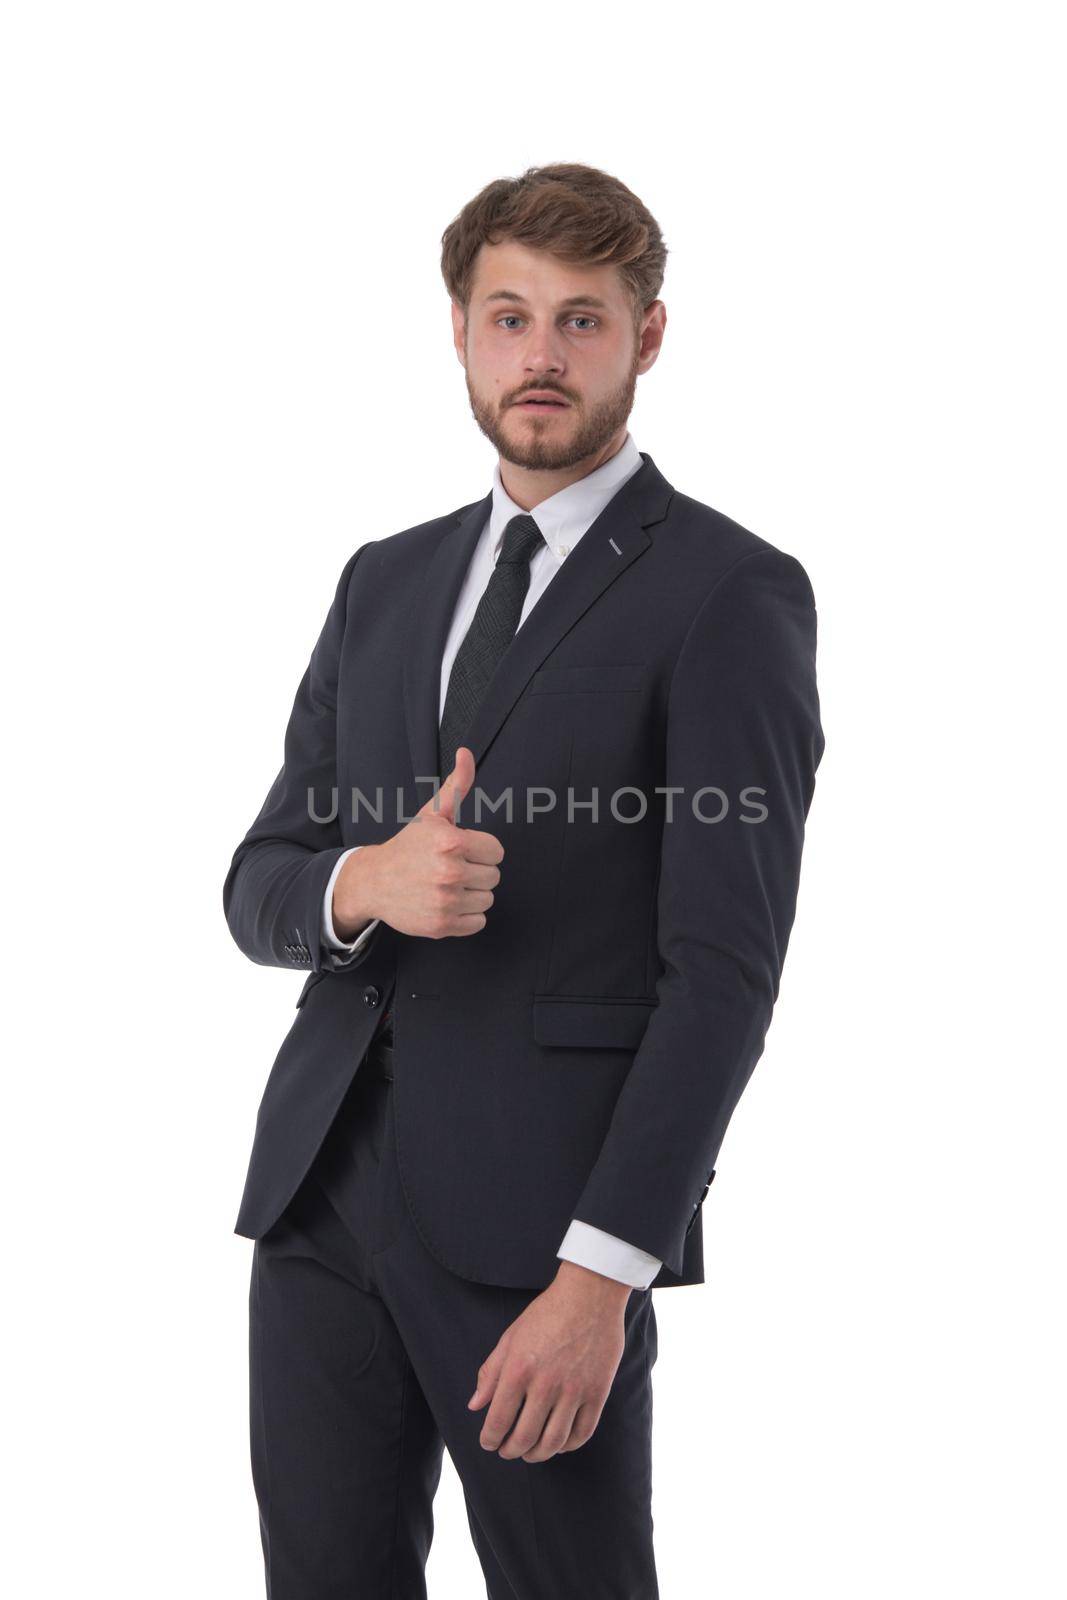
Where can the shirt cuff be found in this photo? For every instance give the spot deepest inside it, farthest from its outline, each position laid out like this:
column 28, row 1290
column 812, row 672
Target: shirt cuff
column 329, row 935
column 605, row 1253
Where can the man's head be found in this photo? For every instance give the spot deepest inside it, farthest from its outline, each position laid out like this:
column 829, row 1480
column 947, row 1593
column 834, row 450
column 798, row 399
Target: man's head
column 554, row 278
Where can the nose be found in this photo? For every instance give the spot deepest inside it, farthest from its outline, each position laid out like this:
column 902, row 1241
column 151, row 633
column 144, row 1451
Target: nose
column 544, row 375
column 543, row 354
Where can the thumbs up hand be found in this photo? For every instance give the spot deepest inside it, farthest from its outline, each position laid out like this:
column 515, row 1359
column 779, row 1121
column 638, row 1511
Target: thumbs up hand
column 432, row 879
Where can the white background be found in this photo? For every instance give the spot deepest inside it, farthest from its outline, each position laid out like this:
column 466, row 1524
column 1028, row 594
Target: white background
column 227, row 362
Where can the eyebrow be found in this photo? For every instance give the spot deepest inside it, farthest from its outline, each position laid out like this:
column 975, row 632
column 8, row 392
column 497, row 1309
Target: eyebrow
column 571, row 300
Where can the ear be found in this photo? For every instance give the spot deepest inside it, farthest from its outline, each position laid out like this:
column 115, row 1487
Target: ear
column 459, row 331
column 650, row 337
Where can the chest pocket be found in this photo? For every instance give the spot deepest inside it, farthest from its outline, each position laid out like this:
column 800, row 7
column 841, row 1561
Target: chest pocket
column 602, row 678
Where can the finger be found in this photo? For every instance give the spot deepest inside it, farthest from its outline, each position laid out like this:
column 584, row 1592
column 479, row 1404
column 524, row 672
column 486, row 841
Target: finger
column 488, row 1374
column 483, row 849
column 460, row 780
column 456, row 784
column 509, row 1396
column 556, row 1431
column 529, row 1427
column 583, row 1427
column 479, row 877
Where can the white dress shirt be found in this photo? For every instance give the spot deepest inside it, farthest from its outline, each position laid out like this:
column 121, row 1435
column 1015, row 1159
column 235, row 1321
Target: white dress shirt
column 562, row 519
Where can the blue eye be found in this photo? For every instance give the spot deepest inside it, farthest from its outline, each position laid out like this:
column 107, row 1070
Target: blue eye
column 579, row 317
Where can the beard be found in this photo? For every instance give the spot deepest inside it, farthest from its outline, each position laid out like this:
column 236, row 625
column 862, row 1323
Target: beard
column 556, row 444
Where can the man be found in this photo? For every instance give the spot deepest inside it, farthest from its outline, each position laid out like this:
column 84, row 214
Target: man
column 495, row 1118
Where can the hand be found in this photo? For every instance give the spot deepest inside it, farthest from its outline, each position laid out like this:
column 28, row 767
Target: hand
column 557, row 1361
column 432, row 878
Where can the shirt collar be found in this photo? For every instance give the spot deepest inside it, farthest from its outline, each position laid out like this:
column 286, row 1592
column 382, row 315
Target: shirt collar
column 565, row 515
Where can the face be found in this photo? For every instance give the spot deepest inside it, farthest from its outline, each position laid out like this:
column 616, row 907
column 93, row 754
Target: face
column 536, row 323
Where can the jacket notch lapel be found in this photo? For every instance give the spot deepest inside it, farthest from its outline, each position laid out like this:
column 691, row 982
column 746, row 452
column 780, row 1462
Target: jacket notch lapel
column 609, row 545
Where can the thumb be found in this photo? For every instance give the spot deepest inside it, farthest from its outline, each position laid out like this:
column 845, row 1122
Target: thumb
column 458, row 783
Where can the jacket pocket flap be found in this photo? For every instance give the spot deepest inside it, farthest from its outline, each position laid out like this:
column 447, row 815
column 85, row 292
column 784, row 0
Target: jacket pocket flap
column 613, row 1024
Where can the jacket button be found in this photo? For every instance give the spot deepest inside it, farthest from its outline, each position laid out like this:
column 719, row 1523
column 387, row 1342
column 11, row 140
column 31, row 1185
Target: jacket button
column 371, row 994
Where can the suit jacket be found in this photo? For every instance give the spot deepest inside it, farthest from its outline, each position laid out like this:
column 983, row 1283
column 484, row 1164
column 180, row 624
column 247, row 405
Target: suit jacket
column 582, row 1054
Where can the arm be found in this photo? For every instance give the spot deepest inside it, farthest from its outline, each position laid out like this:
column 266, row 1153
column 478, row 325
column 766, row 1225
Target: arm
column 743, row 713
column 275, row 888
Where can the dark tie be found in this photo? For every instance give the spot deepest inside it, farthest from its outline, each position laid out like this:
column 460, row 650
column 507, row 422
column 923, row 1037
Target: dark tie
column 491, row 631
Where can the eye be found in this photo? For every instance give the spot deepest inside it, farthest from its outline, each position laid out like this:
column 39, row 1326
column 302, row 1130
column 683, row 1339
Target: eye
column 580, row 316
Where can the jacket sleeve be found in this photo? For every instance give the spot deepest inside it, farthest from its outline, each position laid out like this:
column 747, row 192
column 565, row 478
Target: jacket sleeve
column 742, row 717
column 273, row 894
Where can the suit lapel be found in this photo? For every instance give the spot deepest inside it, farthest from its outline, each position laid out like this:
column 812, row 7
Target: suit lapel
column 615, row 539
column 431, row 620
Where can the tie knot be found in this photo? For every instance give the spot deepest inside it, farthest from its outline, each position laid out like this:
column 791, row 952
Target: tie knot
column 521, row 538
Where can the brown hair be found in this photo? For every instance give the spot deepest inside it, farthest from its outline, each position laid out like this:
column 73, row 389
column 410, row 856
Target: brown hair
column 578, row 213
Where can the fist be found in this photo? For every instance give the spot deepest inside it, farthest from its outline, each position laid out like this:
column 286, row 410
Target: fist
column 432, row 879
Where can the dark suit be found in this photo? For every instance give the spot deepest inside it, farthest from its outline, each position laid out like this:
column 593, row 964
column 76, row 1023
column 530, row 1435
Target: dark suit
column 582, row 1054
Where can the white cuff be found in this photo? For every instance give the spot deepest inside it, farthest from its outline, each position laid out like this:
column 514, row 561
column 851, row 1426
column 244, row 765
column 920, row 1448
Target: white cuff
column 329, row 936
column 604, row 1252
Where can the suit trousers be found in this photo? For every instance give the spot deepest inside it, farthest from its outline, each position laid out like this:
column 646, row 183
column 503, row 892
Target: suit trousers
column 363, row 1353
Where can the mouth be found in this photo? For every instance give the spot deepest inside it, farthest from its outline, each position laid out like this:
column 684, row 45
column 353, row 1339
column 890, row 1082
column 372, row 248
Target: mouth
column 542, row 403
